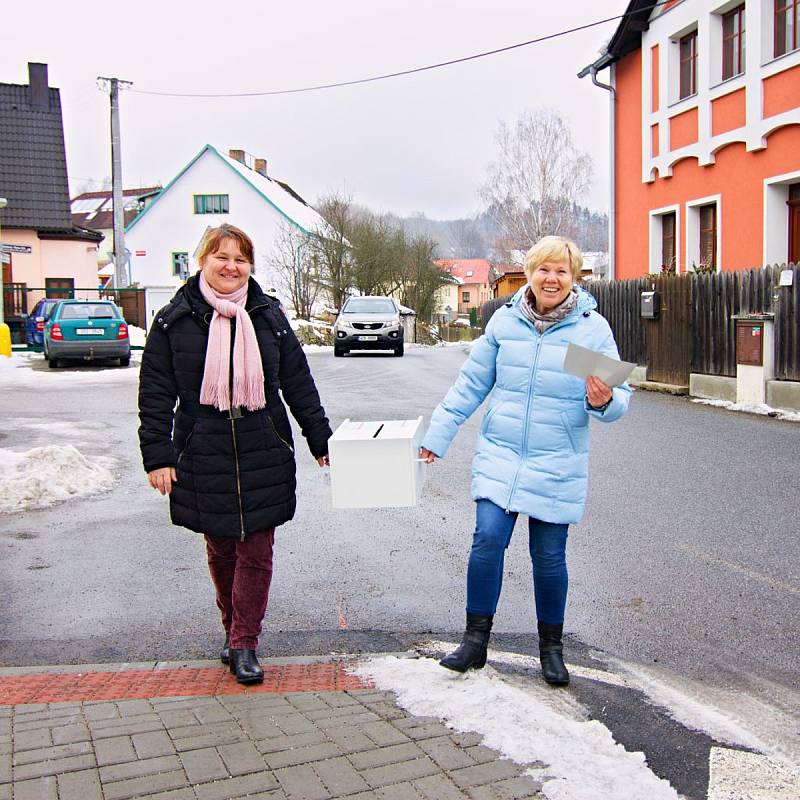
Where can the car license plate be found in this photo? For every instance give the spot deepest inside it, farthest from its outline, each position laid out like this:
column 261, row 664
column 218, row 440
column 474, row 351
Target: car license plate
column 89, row 331
column 367, row 338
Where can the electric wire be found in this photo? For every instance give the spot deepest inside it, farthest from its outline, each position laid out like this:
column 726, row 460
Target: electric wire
column 411, row 71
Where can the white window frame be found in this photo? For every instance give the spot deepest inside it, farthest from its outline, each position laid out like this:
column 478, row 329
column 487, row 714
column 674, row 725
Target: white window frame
column 693, row 229
column 656, row 216
column 715, row 42
column 775, row 235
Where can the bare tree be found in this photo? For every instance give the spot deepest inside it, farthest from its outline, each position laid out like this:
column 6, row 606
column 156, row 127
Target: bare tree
column 537, row 179
column 466, row 239
column 332, row 247
column 421, row 278
column 377, row 252
column 295, row 260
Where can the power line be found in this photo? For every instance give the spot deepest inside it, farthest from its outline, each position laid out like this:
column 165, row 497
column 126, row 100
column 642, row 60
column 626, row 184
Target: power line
column 411, row 71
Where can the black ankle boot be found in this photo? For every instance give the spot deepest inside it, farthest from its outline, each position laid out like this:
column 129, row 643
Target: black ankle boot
column 225, row 653
column 551, row 654
column 244, row 665
column 472, row 650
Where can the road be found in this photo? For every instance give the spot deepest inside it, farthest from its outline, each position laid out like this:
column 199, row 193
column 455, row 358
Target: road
column 685, row 568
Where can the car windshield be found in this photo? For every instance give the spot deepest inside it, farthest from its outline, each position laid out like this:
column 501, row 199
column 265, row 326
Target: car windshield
column 362, row 306
column 88, row 311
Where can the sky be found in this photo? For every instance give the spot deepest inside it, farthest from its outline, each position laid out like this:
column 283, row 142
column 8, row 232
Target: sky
column 418, row 143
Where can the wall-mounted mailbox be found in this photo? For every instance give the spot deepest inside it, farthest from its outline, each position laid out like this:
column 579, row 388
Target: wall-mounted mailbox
column 750, row 342
column 651, row 305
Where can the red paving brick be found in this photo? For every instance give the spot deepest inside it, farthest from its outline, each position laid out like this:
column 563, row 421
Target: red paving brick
column 184, row 682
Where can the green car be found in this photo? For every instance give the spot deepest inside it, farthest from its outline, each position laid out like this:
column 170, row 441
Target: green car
column 86, row 329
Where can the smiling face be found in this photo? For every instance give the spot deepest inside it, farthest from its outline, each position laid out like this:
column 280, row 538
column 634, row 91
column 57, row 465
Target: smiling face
column 550, row 283
column 226, row 269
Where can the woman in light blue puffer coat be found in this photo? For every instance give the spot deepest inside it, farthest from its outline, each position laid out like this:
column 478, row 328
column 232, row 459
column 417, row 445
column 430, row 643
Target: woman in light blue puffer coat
column 532, row 453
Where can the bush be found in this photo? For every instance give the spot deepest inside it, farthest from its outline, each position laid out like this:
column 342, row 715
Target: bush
column 473, row 317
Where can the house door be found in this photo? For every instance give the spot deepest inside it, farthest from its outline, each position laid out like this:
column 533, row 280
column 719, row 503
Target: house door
column 794, row 223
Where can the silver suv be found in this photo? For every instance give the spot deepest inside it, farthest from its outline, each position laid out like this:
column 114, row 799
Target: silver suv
column 368, row 323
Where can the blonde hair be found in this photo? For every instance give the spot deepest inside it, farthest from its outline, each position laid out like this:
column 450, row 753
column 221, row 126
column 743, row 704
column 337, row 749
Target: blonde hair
column 554, row 248
column 214, row 238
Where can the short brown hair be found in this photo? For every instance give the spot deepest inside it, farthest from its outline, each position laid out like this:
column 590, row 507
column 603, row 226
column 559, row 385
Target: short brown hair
column 212, row 241
column 554, row 248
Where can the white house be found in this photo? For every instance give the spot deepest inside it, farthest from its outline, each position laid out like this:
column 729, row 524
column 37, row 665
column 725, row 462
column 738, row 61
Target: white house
column 211, row 189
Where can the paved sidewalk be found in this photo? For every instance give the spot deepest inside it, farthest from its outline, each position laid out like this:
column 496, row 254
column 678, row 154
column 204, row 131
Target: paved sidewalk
column 311, row 731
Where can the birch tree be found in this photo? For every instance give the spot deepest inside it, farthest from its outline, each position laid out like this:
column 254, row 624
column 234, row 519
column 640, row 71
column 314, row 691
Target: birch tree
column 296, row 262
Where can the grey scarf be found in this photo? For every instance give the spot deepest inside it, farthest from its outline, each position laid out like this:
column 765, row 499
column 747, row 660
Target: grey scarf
column 544, row 321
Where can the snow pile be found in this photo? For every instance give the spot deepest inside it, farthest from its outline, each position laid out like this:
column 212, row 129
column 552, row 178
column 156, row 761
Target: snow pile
column 46, row 475
column 751, row 408
column 137, row 336
column 30, row 371
column 582, row 760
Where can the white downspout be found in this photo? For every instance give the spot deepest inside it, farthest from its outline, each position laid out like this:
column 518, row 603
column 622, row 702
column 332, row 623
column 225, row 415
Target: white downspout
column 612, row 182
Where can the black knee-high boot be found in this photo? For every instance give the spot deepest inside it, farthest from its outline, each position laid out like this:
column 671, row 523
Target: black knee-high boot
column 551, row 654
column 472, row 650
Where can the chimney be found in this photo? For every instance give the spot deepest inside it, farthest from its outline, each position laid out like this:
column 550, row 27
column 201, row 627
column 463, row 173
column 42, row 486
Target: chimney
column 38, row 91
column 261, row 166
column 237, row 155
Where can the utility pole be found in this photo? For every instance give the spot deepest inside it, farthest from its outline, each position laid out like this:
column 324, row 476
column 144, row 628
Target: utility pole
column 120, row 253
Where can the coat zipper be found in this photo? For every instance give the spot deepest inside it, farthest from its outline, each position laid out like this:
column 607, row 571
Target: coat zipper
column 238, row 477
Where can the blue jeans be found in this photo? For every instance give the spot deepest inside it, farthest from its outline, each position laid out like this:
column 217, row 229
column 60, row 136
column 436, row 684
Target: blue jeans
column 547, row 542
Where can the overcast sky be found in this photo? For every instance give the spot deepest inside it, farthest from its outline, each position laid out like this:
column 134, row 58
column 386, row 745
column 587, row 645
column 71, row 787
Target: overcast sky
column 418, row 143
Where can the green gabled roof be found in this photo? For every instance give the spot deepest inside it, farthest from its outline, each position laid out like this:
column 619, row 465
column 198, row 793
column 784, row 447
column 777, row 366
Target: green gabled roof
column 224, row 160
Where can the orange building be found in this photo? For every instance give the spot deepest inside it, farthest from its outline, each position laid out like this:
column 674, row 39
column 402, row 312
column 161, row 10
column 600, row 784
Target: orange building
column 475, row 279
column 705, row 130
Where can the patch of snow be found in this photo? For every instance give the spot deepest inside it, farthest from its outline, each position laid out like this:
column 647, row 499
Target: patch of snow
column 29, row 370
column 461, row 321
column 581, row 759
column 751, row 408
column 46, row 475
column 137, row 336
column 317, row 348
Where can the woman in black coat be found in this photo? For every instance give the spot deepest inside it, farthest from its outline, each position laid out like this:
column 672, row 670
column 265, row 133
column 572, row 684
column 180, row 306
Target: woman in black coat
column 223, row 350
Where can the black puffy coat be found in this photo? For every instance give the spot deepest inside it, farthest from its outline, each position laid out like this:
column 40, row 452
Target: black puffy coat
column 236, row 474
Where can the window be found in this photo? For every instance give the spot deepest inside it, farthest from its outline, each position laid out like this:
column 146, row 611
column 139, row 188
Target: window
column 733, row 50
column 688, row 65
column 180, row 265
column 708, row 236
column 211, row 204
column 465, row 297
column 668, row 263
column 61, row 288
column 794, row 223
column 787, row 21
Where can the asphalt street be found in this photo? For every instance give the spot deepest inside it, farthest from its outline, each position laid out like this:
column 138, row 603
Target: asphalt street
column 686, row 566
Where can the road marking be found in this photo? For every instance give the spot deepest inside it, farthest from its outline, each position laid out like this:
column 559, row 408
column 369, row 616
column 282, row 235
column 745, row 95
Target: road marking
column 750, row 573
column 518, row 660
column 739, row 775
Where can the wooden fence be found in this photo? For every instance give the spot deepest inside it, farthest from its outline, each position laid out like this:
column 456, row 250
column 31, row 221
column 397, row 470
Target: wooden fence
column 696, row 330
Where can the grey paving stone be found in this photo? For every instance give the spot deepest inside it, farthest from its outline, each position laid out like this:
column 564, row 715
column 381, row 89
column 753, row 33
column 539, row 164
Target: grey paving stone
column 54, row 767
column 438, row 787
column 101, row 710
column 301, row 783
column 50, row 753
column 178, row 717
column 153, row 744
column 209, row 740
column 103, row 729
column 335, row 713
column 338, row 699
column 6, row 790
column 203, row 765
column 386, row 755
column 446, row 754
column 306, row 701
column 301, row 755
column 385, row 710
column 139, row 787
column 83, row 785
column 46, row 721
column 260, row 728
column 244, row 785
column 241, row 758
column 291, row 724
column 400, row 791
column 115, row 750
column 421, row 728
column 279, row 743
column 77, row 732
column 350, row 739
column 339, row 776
column 382, row 733
column 29, row 708
column 179, row 732
column 510, row 789
column 32, row 740
column 362, row 717
column 5, row 768
column 212, row 713
column 371, row 695
column 466, row 739
column 38, row 789
column 396, row 773
column 134, row 708
column 139, row 769
column 481, row 774
column 177, row 794
column 243, row 705
column 481, row 754
column 48, row 715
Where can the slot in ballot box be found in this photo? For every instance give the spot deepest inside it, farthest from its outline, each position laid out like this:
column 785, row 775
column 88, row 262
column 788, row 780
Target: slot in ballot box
column 376, row 464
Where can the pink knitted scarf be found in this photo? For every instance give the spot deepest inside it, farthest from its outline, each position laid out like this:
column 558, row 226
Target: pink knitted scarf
column 248, row 374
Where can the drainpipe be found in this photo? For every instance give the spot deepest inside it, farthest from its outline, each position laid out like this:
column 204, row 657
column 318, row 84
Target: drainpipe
column 612, row 213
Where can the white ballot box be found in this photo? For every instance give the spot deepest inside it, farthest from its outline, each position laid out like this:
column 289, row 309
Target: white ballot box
column 376, row 464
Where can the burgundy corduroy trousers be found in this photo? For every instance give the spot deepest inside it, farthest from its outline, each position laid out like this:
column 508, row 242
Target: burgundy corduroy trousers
column 241, row 572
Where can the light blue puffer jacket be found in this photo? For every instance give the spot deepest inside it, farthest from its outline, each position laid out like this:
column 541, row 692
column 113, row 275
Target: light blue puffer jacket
column 532, row 454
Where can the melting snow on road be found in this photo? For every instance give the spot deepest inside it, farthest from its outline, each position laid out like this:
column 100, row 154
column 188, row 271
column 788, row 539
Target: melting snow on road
column 751, row 408
column 46, row 475
column 582, row 760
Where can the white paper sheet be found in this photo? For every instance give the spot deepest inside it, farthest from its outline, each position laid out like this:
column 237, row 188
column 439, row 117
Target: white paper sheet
column 583, row 362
